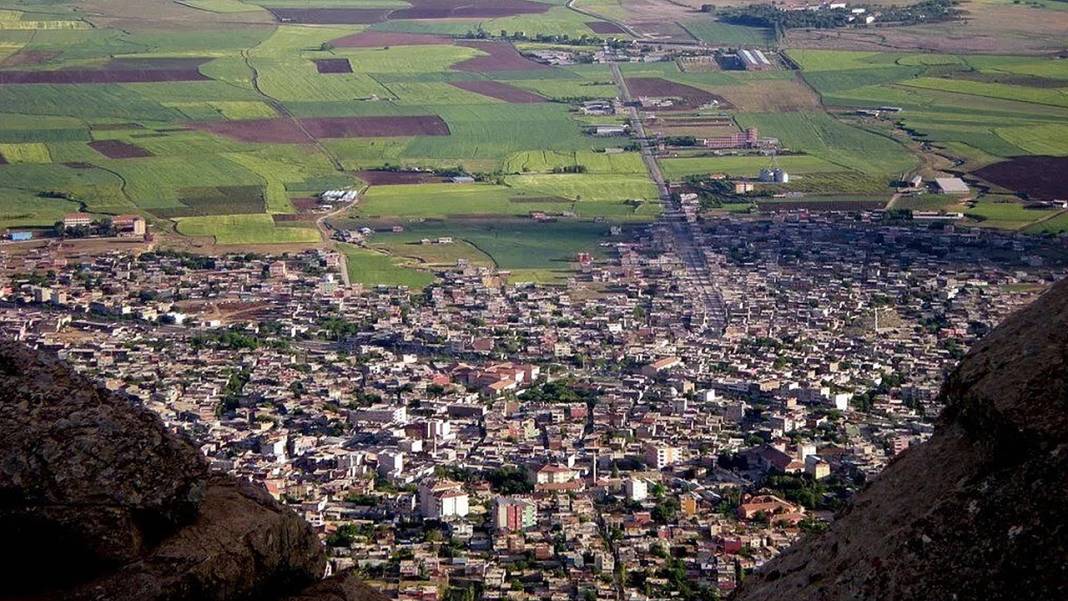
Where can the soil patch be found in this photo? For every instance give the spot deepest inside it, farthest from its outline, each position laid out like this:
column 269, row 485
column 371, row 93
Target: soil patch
column 393, row 178
column 420, row 9
column 375, row 127
column 502, row 57
column 287, row 131
column 29, row 57
column 117, row 149
column 686, row 97
column 266, row 131
column 125, row 70
column 604, row 27
column 1040, row 177
column 331, row 16
column 498, row 90
column 333, row 65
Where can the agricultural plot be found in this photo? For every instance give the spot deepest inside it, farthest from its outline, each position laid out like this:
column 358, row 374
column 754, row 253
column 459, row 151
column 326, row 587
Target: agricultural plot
column 726, row 34
column 743, row 166
column 982, row 108
column 824, row 137
column 245, row 229
column 545, row 161
column 1006, row 213
column 219, row 129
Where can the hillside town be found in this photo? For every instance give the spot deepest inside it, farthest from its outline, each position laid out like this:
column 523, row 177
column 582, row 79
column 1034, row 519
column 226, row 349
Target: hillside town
column 483, row 439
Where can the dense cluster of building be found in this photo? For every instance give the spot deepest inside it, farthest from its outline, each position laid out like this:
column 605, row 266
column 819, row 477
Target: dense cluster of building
column 479, row 439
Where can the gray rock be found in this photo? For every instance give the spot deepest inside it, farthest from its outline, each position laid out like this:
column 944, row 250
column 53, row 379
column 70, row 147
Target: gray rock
column 85, row 476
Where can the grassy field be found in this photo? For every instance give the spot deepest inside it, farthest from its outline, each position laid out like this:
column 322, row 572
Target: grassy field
column 611, row 196
column 824, row 137
column 746, row 166
column 245, row 229
column 542, row 252
column 1006, row 213
column 372, row 268
column 979, row 107
column 725, row 34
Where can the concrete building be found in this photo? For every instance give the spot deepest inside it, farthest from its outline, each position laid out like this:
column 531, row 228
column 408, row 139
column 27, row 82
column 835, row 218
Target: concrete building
column 636, row 489
column 442, row 499
column 659, row 456
column 514, row 514
column 951, row 185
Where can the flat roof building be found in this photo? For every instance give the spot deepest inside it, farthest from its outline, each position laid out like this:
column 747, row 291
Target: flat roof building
column 951, row 185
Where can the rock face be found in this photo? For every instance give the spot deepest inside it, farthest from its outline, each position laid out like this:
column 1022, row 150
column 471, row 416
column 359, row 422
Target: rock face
column 978, row 512
column 106, row 504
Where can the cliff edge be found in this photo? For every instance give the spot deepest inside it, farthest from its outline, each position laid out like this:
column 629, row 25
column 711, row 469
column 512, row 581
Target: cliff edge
column 980, row 511
column 99, row 501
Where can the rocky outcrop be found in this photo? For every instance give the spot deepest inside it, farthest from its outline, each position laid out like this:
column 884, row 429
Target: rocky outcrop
column 106, row 504
column 978, row 512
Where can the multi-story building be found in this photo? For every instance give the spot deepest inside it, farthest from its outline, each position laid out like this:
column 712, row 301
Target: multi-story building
column 659, row 456
column 442, row 499
column 514, row 514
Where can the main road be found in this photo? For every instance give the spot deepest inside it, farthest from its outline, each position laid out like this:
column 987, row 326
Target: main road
column 684, row 235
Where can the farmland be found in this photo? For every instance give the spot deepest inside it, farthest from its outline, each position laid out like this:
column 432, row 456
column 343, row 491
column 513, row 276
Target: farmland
column 213, row 120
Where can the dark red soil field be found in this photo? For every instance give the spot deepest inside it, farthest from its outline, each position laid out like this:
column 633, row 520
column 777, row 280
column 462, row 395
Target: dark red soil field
column 655, row 87
column 142, row 64
column 1038, row 177
column 305, row 205
column 500, row 91
column 502, row 57
column 468, row 9
column 122, row 74
column 3, row 161
column 331, row 16
column 420, row 9
column 266, row 131
column 394, row 178
column 281, row 219
column 333, row 65
column 381, row 39
column 29, row 57
column 117, row 149
column 287, row 131
column 375, row 127
column 604, row 27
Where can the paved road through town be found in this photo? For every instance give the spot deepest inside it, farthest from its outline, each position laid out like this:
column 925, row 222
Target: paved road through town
column 683, row 234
